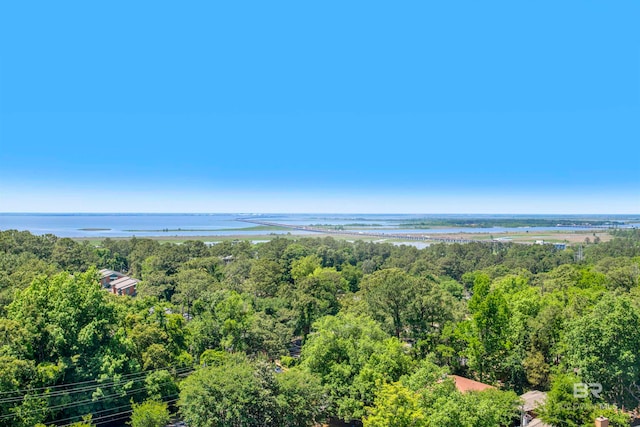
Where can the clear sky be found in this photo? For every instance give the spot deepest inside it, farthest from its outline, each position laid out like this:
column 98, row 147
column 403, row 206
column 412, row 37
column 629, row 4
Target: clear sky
column 332, row 106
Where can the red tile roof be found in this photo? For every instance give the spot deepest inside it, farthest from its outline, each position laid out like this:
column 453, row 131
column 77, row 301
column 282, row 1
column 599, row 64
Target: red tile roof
column 465, row 384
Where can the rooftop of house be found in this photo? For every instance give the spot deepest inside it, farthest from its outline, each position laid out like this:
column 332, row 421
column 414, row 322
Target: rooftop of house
column 537, row 422
column 465, row 384
column 533, row 399
column 105, row 272
column 124, row 282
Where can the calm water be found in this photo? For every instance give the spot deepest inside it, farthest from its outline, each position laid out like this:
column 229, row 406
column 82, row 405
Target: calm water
column 123, row 225
column 116, row 225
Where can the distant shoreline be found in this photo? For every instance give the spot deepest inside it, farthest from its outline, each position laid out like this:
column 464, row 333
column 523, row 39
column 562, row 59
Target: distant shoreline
column 569, row 229
column 354, row 215
column 571, row 237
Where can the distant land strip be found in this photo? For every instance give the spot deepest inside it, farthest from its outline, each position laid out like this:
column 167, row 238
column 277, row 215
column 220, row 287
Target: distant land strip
column 404, row 236
column 168, row 230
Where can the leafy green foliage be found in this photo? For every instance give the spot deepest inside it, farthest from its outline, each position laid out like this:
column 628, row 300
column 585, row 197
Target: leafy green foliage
column 428, row 398
column 235, row 391
column 380, row 328
column 149, row 413
column 227, row 395
column 395, row 406
column 301, row 398
column 604, row 345
column 351, row 354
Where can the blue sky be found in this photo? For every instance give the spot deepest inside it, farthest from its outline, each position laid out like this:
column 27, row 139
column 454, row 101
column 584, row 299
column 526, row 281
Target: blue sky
column 359, row 106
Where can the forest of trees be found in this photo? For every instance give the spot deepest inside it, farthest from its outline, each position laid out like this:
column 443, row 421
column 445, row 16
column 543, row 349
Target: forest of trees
column 378, row 328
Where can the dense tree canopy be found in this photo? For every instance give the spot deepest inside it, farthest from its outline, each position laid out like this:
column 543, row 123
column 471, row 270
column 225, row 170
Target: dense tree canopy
column 290, row 332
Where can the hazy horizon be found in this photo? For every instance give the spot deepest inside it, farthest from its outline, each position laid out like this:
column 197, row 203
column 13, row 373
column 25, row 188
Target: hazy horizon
column 415, row 214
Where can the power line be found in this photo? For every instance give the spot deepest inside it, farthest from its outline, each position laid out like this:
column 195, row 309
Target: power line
column 88, row 401
column 72, row 392
column 70, row 419
column 64, row 392
column 109, row 418
column 64, row 406
column 28, row 390
column 113, row 409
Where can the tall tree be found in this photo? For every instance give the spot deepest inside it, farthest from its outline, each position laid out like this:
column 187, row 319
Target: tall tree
column 487, row 336
column 604, row 345
column 389, row 293
column 317, row 295
column 351, row 354
column 227, row 395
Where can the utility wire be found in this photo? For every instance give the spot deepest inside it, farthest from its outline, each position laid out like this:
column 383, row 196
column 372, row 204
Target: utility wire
column 80, row 403
column 64, row 406
column 71, row 390
column 28, row 390
column 112, row 409
column 109, row 418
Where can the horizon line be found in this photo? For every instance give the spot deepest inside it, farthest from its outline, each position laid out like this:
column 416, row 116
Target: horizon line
column 306, row 213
